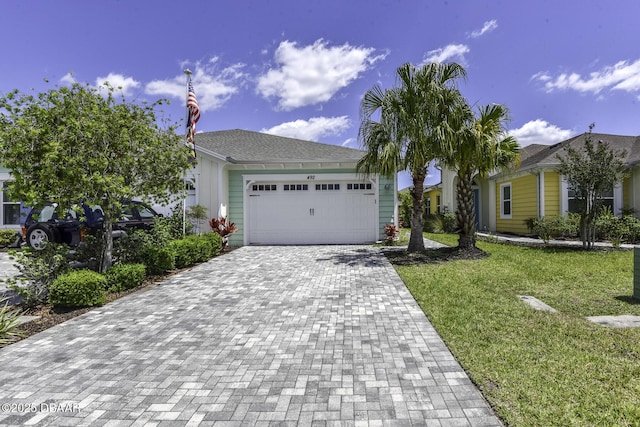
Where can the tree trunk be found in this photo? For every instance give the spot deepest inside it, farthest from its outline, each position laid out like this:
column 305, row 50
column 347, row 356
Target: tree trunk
column 465, row 215
column 107, row 251
column 416, row 241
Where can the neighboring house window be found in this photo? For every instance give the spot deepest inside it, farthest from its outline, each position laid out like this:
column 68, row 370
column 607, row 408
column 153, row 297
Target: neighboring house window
column 438, row 204
column 428, row 205
column 10, row 208
column 505, row 201
column 575, row 205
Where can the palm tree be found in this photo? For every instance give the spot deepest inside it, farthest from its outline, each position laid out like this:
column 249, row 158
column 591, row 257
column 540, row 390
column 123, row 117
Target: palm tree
column 481, row 145
column 412, row 124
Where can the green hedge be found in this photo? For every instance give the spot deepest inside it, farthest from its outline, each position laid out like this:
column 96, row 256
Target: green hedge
column 7, row 237
column 125, row 276
column 81, row 288
column 158, row 260
column 196, row 248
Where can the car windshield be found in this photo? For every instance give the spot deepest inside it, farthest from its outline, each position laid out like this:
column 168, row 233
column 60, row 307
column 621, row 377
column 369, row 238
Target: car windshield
column 145, row 212
column 49, row 212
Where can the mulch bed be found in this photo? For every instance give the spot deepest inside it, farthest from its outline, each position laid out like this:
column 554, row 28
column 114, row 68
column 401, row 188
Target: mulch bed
column 433, row 256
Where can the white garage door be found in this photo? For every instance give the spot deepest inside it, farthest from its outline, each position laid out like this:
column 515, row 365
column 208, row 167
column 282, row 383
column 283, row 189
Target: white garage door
column 316, row 212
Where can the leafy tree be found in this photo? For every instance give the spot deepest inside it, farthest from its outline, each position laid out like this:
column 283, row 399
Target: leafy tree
column 72, row 144
column 401, row 128
column 198, row 213
column 480, row 145
column 590, row 173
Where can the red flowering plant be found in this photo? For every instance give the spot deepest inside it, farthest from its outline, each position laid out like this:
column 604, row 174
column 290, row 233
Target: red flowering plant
column 391, row 231
column 224, row 228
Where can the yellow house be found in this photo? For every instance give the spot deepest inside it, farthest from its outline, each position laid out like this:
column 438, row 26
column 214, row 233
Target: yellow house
column 505, row 200
column 433, row 199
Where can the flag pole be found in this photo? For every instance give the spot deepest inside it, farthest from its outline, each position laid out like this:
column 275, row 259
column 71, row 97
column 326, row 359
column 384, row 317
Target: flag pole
column 184, row 199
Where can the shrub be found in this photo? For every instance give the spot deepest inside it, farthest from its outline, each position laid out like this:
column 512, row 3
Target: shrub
column 196, row 248
column 441, row 223
column 178, row 227
column 158, row 260
column 9, row 322
column 81, row 288
column 633, row 227
column 555, row 227
column 185, row 251
column 7, row 237
column 125, row 276
column 89, row 253
column 391, row 234
column 216, row 242
column 38, row 270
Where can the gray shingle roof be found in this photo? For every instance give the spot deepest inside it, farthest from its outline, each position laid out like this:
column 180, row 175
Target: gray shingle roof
column 547, row 155
column 242, row 146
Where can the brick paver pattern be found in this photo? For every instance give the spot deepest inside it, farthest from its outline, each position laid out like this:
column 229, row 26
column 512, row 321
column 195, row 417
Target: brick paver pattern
column 308, row 335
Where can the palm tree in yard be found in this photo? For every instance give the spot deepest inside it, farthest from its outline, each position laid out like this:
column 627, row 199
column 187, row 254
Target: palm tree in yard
column 480, row 147
column 403, row 128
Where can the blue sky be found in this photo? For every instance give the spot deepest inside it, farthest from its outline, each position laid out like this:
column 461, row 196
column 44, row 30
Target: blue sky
column 299, row 68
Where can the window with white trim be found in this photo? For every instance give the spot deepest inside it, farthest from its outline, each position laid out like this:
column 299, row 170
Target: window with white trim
column 575, row 205
column 505, row 200
column 10, row 208
column 427, row 205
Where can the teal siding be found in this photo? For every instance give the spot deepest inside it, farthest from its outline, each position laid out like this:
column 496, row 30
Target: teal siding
column 386, row 207
column 386, row 202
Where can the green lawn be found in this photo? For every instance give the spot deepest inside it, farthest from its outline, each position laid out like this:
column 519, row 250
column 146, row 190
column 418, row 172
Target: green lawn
column 539, row 368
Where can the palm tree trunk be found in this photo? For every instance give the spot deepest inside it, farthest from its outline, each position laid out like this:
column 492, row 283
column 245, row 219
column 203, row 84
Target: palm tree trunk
column 465, row 215
column 416, row 241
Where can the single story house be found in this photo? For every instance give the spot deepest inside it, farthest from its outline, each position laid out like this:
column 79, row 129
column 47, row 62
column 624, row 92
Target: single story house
column 281, row 190
column 276, row 190
column 505, row 200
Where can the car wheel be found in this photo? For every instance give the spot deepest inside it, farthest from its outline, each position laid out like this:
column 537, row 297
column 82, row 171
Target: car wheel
column 38, row 236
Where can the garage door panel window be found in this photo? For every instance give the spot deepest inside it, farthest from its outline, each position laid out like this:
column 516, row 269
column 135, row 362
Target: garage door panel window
column 359, row 186
column 296, row 187
column 327, row 187
column 264, row 187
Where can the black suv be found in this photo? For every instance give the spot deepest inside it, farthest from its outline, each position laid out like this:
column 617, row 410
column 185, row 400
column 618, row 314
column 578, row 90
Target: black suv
column 44, row 225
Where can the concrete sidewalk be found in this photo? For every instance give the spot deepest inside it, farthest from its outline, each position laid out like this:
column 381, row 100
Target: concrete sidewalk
column 313, row 335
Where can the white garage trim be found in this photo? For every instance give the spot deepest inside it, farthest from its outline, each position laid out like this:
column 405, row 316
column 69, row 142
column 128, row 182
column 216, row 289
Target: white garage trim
column 356, row 211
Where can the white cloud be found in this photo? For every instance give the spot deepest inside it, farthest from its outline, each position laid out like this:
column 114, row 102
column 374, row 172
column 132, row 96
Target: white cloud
column 350, row 143
column 212, row 86
column 313, row 129
column 621, row 76
column 454, row 52
column 486, row 28
column 68, row 79
column 119, row 82
column 540, row 132
column 313, row 74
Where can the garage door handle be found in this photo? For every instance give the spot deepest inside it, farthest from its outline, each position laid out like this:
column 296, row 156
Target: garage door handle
column 312, row 212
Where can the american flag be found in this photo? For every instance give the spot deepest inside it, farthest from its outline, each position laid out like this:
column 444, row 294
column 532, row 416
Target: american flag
column 193, row 115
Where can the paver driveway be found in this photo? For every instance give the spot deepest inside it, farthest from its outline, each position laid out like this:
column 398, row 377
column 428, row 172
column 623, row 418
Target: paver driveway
column 322, row 335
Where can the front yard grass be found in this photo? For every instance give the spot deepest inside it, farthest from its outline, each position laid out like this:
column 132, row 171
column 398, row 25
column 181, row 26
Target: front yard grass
column 539, row 368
